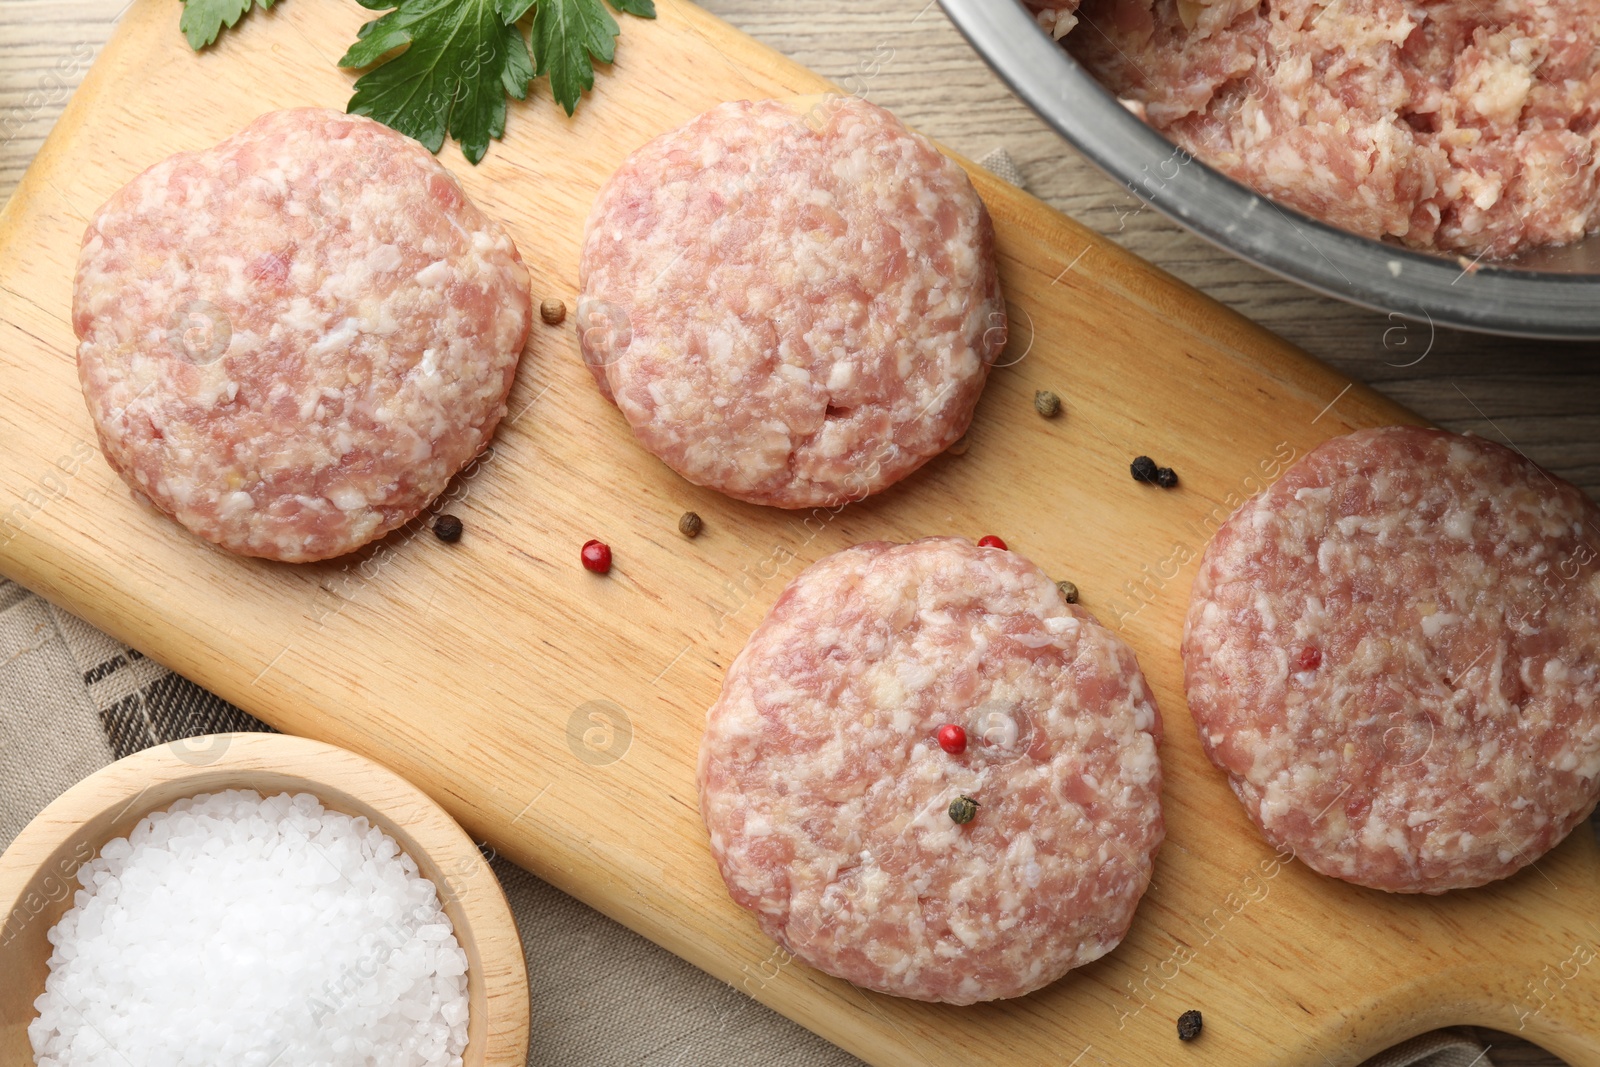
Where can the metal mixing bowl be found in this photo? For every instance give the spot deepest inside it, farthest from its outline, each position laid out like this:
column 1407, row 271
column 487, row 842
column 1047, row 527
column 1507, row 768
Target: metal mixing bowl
column 1552, row 292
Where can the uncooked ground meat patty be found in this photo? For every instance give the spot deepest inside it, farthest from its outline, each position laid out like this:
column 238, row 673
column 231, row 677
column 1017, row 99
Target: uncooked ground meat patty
column 1453, row 125
column 826, row 792
column 290, row 342
column 796, row 308
column 1394, row 652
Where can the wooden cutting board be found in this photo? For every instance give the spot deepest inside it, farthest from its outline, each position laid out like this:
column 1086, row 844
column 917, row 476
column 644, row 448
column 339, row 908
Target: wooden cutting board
column 557, row 714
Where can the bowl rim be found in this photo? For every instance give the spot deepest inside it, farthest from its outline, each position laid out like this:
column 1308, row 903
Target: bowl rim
column 114, row 798
column 1504, row 300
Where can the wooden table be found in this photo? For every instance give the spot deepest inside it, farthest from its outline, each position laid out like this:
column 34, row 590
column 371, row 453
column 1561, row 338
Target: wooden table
column 1541, row 396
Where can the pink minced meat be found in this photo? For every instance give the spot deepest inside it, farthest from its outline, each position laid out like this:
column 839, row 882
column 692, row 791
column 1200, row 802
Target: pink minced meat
column 290, row 342
column 1394, row 652
column 826, row 792
column 1452, row 126
column 797, row 308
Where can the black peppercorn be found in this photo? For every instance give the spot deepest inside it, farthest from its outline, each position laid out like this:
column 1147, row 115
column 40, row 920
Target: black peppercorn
column 447, row 528
column 1189, row 1025
column 691, row 524
column 1145, row 470
column 1069, row 592
column 963, row 809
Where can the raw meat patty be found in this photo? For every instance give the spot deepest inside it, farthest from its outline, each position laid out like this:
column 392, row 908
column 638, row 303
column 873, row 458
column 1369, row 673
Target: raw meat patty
column 826, row 792
column 1394, row 652
column 796, row 309
column 290, row 342
column 1453, row 125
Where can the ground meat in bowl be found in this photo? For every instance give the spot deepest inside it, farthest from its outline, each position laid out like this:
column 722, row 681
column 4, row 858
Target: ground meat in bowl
column 1460, row 126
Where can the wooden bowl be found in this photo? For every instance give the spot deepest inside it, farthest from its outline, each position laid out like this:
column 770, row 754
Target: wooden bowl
column 38, row 872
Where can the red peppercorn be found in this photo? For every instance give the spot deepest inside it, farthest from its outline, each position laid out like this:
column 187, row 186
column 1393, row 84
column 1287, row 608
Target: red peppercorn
column 597, row 557
column 952, row 738
column 1310, row 658
column 991, row 541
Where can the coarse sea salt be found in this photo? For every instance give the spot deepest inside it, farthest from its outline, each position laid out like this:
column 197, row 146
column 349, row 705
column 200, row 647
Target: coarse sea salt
column 233, row 929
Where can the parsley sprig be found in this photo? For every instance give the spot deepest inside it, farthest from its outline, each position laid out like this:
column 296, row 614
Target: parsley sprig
column 438, row 68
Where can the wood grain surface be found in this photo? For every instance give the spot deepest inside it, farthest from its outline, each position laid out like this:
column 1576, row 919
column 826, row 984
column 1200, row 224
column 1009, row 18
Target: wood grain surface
column 38, row 868
column 324, row 654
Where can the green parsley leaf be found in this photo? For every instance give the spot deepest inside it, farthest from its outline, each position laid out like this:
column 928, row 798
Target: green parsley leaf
column 569, row 35
column 460, row 59
column 443, row 68
column 203, row 19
